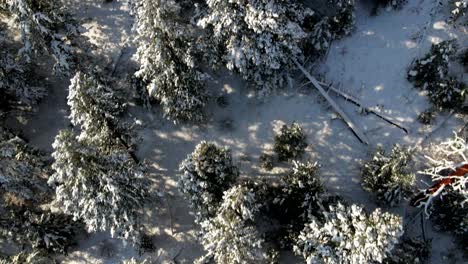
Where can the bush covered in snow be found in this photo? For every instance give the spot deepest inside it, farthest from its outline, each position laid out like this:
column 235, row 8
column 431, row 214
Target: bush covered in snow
column 45, row 26
column 39, row 229
column 290, row 143
column 257, row 39
column 205, row 175
column 23, row 171
column 106, row 191
column 346, row 234
column 431, row 74
column 231, row 236
column 167, row 64
column 388, row 176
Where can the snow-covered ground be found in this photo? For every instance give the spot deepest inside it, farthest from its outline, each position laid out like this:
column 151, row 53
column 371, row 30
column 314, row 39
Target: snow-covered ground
column 371, row 64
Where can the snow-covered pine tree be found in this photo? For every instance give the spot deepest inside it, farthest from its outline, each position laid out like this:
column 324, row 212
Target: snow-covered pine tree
column 45, row 26
column 257, row 39
column 388, row 176
column 431, row 73
column 347, row 234
column 23, row 171
column 297, row 197
column 105, row 190
column 54, row 232
column 167, row 65
column 231, row 236
column 35, row 257
column 95, row 109
column 290, row 143
column 16, row 91
column 205, row 175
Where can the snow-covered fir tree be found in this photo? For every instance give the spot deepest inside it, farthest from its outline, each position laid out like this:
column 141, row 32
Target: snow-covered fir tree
column 38, row 229
column 167, row 65
column 298, row 196
column 431, row 74
column 45, row 26
column 258, row 39
column 388, row 175
column 205, row 175
column 231, row 236
column 95, row 108
column 105, row 190
column 16, row 91
column 23, row 171
column 347, row 234
column 290, row 142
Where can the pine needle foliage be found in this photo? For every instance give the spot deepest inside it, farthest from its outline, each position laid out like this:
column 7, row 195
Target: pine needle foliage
column 388, row 175
column 290, row 143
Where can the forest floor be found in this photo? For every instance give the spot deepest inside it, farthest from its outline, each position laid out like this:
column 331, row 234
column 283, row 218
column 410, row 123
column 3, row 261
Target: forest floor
column 371, row 64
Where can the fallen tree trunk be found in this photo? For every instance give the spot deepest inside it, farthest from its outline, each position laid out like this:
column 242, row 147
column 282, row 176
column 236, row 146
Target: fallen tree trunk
column 367, row 109
column 359, row 134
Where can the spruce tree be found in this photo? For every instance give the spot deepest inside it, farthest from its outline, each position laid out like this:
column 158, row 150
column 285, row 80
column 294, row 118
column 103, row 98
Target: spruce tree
column 257, row 39
column 168, row 68
column 23, row 171
column 45, row 26
column 205, row 175
column 347, row 234
column 104, row 190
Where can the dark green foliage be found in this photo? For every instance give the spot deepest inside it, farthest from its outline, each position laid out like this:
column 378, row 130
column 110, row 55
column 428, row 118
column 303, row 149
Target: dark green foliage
column 448, row 214
column 206, row 174
column 426, row 117
column 146, row 243
column 290, row 143
column 266, row 161
column 431, row 73
column 222, row 101
column 388, row 175
column 464, row 59
column 39, row 229
column 342, row 23
column 16, row 88
column 409, row 250
column 299, row 196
